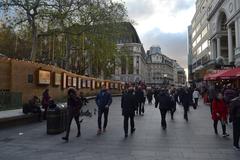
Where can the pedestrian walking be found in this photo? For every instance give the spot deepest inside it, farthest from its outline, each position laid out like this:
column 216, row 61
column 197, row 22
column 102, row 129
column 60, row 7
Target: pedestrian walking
column 140, row 99
column 164, row 103
column 219, row 113
column 45, row 102
column 211, row 94
column 186, row 100
column 128, row 105
column 196, row 96
column 149, row 95
column 74, row 106
column 235, row 119
column 173, row 102
column 103, row 101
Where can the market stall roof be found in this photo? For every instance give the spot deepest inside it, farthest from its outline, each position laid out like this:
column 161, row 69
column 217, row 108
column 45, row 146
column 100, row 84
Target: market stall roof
column 215, row 75
column 231, row 74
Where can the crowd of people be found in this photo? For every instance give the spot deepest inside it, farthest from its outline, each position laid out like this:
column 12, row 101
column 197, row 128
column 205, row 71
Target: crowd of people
column 224, row 106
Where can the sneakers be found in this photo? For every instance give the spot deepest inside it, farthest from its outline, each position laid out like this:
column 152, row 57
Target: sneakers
column 236, row 148
column 225, row 135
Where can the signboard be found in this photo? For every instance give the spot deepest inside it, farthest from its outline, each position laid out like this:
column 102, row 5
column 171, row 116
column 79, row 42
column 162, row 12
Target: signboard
column 74, row 82
column 79, row 83
column 57, row 79
column 44, row 77
column 69, row 81
column 116, row 85
column 64, row 80
column 93, row 84
column 88, row 83
column 84, row 85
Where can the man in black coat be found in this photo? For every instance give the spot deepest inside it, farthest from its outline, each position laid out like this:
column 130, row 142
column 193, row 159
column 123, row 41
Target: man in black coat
column 140, row 99
column 164, row 102
column 128, row 105
column 186, row 101
column 235, row 119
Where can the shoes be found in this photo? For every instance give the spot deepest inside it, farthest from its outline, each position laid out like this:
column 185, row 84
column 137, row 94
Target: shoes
column 104, row 129
column 236, row 148
column 225, row 135
column 133, row 130
column 79, row 134
column 65, row 138
column 126, row 135
column 164, row 127
column 99, row 132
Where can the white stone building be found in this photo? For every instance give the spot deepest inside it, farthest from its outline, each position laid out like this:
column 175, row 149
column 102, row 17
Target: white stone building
column 215, row 33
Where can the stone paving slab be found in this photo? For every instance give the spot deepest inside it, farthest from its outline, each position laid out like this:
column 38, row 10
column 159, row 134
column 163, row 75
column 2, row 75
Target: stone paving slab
column 194, row 140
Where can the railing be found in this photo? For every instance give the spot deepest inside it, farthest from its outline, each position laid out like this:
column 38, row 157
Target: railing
column 10, row 100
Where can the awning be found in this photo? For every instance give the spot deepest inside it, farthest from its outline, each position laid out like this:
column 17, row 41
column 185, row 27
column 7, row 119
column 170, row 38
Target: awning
column 231, row 74
column 223, row 74
column 215, row 75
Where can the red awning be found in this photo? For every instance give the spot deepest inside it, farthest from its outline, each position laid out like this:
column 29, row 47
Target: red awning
column 215, row 75
column 231, row 74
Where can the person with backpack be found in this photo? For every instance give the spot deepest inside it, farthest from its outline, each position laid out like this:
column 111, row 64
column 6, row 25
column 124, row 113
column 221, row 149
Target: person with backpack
column 164, row 103
column 103, row 101
column 74, row 106
column 128, row 105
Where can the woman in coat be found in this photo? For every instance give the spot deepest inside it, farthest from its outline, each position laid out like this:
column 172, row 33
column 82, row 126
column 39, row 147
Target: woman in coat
column 219, row 113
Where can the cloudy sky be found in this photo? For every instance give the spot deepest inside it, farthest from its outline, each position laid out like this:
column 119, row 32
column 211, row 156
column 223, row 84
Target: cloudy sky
column 164, row 23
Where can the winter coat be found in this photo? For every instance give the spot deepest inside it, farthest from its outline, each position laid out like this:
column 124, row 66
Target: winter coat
column 103, row 99
column 74, row 104
column 235, row 109
column 196, row 94
column 128, row 104
column 219, row 106
column 140, row 96
column 186, row 99
column 164, row 101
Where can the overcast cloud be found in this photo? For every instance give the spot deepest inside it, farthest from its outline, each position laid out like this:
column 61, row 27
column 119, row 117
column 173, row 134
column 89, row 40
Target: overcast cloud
column 164, row 23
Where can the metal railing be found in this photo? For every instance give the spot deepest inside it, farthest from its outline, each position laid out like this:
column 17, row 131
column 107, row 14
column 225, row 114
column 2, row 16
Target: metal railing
column 10, row 100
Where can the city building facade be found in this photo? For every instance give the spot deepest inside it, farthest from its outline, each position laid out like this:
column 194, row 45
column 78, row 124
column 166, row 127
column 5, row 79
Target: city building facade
column 215, row 36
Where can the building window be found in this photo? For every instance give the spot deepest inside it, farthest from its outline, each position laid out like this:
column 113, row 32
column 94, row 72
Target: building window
column 204, row 45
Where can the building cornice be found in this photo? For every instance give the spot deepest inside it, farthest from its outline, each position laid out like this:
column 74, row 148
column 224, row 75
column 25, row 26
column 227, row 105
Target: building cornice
column 215, row 9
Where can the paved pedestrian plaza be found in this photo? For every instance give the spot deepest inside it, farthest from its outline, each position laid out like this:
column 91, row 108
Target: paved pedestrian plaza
column 194, row 140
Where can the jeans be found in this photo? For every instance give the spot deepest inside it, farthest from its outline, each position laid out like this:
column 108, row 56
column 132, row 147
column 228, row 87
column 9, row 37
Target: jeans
column 196, row 101
column 125, row 123
column 76, row 117
column 100, row 113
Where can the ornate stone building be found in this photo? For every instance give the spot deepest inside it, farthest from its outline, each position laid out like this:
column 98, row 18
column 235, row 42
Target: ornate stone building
column 215, row 35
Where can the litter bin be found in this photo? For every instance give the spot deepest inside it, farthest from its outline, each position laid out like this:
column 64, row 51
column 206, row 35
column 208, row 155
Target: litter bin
column 56, row 120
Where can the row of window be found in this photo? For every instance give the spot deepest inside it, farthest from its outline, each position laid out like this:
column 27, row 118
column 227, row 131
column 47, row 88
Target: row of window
column 201, row 48
column 201, row 35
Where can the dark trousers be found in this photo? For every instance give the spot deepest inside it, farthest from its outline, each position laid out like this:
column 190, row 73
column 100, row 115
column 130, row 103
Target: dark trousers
column 163, row 116
column 215, row 124
column 139, row 108
column 196, row 101
column 236, row 131
column 125, row 123
column 186, row 109
column 173, row 110
column 100, row 113
column 70, row 117
column 38, row 111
